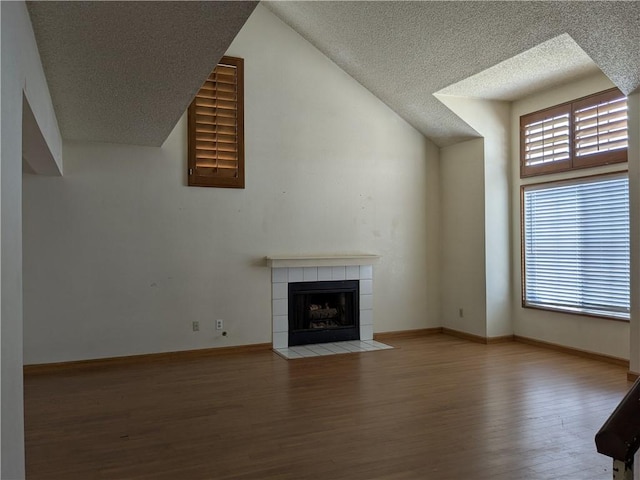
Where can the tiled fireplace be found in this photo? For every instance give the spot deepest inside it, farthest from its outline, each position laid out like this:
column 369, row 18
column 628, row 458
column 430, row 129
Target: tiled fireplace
column 331, row 269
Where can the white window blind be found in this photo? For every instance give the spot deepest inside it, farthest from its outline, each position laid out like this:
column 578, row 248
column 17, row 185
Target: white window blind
column 576, row 246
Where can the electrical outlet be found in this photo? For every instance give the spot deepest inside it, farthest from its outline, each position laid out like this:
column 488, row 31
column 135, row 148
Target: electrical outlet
column 461, row 313
column 195, row 326
column 219, row 324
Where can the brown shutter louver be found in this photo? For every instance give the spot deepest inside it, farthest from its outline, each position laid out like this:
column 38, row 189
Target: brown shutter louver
column 587, row 132
column 545, row 140
column 216, row 128
column 600, row 125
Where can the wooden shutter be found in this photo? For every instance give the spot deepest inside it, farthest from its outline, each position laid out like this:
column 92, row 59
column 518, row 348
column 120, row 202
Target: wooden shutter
column 216, row 128
column 600, row 126
column 587, row 132
column 545, row 141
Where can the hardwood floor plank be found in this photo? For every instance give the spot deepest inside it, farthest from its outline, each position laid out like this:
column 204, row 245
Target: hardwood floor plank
column 433, row 407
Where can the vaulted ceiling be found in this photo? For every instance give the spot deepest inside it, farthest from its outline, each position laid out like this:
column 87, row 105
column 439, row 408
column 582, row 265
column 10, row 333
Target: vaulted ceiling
column 124, row 72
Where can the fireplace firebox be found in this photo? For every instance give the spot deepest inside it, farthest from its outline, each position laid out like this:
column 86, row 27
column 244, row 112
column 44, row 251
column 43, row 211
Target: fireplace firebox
column 321, row 312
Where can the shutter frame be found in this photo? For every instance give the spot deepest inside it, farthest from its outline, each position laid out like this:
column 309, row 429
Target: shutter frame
column 213, row 162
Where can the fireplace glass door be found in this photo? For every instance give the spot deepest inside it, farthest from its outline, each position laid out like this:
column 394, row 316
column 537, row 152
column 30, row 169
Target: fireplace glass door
column 321, row 312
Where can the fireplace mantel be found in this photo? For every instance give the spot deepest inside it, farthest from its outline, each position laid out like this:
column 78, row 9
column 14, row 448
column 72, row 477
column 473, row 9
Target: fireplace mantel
column 293, row 261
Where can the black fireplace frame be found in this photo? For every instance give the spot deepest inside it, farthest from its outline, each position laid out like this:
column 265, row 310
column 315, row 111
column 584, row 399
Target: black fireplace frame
column 330, row 334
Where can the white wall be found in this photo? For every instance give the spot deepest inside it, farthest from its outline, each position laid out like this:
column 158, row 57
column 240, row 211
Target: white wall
column 22, row 78
column 597, row 335
column 490, row 118
column 497, row 172
column 462, row 259
column 120, row 256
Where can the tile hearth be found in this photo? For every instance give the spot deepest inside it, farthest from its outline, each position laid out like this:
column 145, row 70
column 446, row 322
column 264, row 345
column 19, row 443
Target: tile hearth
column 323, row 349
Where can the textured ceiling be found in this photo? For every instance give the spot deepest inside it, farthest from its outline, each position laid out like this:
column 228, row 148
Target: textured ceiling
column 404, row 52
column 125, row 72
column 551, row 63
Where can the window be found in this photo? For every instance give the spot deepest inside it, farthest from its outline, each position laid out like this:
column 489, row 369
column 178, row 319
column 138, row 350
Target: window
column 587, row 132
column 576, row 246
column 216, row 128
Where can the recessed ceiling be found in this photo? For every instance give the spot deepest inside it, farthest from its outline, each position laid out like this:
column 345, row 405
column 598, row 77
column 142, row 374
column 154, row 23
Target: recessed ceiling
column 545, row 66
column 125, row 72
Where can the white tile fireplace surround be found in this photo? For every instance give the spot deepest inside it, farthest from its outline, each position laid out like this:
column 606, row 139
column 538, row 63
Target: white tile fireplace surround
column 288, row 269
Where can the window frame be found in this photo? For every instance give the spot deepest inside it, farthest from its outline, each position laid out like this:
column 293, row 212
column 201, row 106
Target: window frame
column 195, row 180
column 573, row 162
column 523, row 270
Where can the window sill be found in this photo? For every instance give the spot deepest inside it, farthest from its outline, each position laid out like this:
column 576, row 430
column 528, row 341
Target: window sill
column 581, row 313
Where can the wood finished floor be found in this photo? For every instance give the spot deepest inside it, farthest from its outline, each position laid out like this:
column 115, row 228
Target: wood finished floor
column 434, row 407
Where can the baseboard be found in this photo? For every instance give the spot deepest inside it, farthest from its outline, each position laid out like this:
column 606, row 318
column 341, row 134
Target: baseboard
column 464, row 335
column 574, row 351
column 386, row 336
column 46, row 368
column 500, row 339
column 477, row 338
